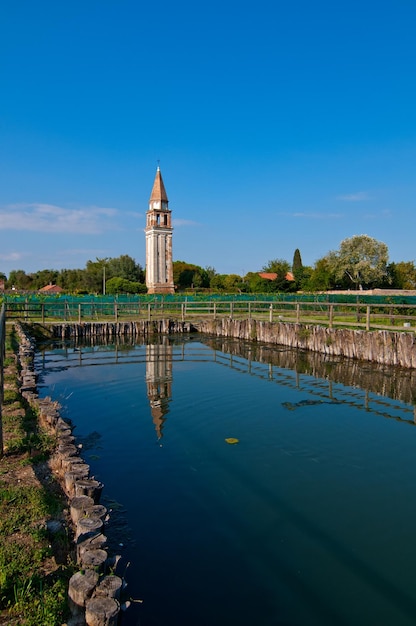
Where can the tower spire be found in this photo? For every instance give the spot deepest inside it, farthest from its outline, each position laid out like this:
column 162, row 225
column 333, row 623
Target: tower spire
column 158, row 191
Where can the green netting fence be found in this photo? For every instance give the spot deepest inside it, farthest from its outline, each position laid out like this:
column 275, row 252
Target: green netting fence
column 355, row 310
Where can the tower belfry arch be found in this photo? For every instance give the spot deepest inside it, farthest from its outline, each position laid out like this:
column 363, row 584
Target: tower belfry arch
column 159, row 264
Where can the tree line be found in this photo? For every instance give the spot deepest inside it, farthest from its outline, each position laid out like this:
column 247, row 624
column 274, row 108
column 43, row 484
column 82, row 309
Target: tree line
column 361, row 262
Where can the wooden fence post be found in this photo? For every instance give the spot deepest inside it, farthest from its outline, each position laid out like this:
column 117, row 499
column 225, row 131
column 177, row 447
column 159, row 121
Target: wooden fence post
column 331, row 315
column 297, row 312
column 367, row 318
column 358, row 310
column 271, row 313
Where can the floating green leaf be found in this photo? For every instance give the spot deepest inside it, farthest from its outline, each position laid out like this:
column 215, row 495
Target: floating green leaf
column 232, row 440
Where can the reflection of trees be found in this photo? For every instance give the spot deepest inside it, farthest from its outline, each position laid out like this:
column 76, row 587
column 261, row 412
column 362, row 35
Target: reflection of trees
column 393, row 382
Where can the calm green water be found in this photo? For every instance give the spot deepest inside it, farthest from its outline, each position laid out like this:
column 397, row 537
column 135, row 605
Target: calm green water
column 308, row 520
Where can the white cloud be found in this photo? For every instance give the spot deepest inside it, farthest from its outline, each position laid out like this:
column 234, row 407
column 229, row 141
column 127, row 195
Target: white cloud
column 359, row 196
column 48, row 218
column 383, row 213
column 318, row 216
column 83, row 252
column 12, row 256
column 184, row 223
column 134, row 215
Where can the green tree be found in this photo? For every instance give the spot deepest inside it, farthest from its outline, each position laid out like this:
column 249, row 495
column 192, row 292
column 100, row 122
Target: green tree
column 126, row 267
column 94, row 276
column 322, row 277
column 302, row 277
column 210, row 274
column 199, row 278
column 402, row 275
column 281, row 268
column 277, row 266
column 117, row 285
column 232, row 283
column 217, row 282
column 281, row 283
column 182, row 274
column 362, row 259
column 71, row 280
column 187, row 275
column 256, row 284
column 18, row 279
column 44, row 277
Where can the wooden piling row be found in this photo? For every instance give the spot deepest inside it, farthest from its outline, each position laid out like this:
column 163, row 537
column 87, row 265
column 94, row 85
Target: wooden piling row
column 94, row 591
column 109, row 330
column 379, row 346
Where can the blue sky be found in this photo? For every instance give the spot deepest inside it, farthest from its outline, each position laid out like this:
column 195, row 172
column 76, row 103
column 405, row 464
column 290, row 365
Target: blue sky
column 278, row 125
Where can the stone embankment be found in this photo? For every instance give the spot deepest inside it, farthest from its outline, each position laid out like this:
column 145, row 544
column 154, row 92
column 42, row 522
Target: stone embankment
column 94, row 591
column 383, row 347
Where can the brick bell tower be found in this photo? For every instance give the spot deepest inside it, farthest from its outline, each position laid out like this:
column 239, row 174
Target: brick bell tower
column 159, row 267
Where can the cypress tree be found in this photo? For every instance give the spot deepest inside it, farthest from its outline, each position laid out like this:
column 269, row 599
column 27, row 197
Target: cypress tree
column 297, row 261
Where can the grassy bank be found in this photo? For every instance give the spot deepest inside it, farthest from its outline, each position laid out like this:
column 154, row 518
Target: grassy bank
column 34, row 543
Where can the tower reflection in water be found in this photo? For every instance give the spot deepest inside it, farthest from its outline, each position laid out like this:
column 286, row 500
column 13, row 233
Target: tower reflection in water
column 159, row 358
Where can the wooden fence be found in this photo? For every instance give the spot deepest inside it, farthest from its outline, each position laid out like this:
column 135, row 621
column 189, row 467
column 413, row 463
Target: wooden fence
column 352, row 315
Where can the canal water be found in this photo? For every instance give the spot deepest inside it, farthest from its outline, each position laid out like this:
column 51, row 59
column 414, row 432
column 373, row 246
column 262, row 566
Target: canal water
column 307, row 520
